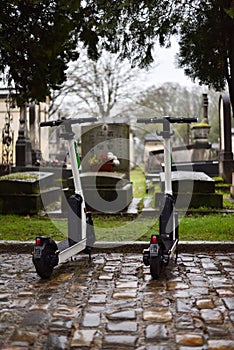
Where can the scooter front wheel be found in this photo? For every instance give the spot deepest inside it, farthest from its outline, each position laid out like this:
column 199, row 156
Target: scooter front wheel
column 45, row 264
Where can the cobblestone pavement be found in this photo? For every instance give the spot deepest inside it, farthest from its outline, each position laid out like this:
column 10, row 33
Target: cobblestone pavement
column 112, row 303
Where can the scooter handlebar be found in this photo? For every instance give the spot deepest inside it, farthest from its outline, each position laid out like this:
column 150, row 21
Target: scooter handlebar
column 169, row 119
column 149, row 120
column 67, row 121
column 182, row 120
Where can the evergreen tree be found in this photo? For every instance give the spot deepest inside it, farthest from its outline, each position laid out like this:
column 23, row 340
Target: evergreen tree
column 39, row 37
column 207, row 43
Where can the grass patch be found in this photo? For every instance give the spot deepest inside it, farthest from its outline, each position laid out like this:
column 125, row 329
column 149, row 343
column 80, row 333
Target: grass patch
column 210, row 227
column 214, row 227
column 20, row 228
column 124, row 228
column 138, row 179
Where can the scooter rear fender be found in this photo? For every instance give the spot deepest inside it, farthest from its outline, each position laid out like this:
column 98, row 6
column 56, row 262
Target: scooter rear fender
column 41, row 242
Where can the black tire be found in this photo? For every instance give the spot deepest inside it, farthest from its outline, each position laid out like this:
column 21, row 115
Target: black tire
column 45, row 264
column 156, row 266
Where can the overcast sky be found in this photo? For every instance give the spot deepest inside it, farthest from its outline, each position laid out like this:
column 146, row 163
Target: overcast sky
column 165, row 68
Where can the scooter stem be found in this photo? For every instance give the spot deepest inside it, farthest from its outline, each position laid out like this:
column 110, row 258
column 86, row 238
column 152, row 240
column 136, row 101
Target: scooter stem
column 75, row 168
column 167, row 162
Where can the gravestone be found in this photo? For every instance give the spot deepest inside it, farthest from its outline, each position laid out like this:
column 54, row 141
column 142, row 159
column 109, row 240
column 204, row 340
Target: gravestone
column 106, row 189
column 23, row 143
column 34, row 121
column 99, row 139
column 226, row 162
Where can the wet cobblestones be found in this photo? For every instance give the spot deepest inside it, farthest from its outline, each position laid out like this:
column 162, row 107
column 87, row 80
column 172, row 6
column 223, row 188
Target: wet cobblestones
column 112, row 303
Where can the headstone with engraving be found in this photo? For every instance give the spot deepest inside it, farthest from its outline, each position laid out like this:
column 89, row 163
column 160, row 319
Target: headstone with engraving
column 99, row 140
column 106, row 167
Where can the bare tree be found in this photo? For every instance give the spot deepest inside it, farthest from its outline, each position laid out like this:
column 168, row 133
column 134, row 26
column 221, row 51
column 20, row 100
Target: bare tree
column 175, row 100
column 100, row 88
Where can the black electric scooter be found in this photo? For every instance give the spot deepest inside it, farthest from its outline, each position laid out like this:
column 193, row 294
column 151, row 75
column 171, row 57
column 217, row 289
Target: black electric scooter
column 81, row 237
column 165, row 244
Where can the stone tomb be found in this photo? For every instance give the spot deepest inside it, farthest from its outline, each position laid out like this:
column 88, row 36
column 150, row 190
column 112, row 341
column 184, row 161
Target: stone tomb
column 106, row 191
column 27, row 192
column 191, row 190
column 109, row 192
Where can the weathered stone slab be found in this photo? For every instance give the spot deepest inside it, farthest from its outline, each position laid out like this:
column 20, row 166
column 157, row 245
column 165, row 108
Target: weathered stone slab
column 189, row 340
column 103, row 179
column 220, row 344
column 91, row 319
column 229, row 303
column 83, row 338
column 23, row 204
column 104, row 192
column 120, row 340
column 27, row 193
column 159, row 315
column 108, row 193
column 205, row 304
column 123, row 326
column 189, row 181
column 123, row 315
column 26, row 182
column 211, row 316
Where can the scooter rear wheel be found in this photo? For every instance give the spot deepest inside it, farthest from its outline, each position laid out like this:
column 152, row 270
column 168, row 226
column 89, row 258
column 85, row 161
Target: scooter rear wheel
column 156, row 266
column 45, row 264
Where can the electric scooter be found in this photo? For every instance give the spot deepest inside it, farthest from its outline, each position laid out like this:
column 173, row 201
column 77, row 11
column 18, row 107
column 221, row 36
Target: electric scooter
column 164, row 246
column 81, row 237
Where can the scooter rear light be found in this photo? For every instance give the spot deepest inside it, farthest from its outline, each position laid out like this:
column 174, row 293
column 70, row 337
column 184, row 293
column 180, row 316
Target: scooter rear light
column 38, row 241
column 154, row 239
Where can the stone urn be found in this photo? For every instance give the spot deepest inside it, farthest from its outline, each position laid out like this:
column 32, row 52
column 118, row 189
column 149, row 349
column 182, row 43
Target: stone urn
column 200, row 132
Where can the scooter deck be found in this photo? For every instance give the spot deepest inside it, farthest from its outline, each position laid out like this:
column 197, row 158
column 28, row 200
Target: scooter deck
column 66, row 250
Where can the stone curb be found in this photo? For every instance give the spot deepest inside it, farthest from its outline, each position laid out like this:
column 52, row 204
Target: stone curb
column 126, row 247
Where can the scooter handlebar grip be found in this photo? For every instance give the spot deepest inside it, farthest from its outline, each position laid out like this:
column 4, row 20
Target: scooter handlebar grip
column 50, row 123
column 141, row 120
column 68, row 121
column 169, row 119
